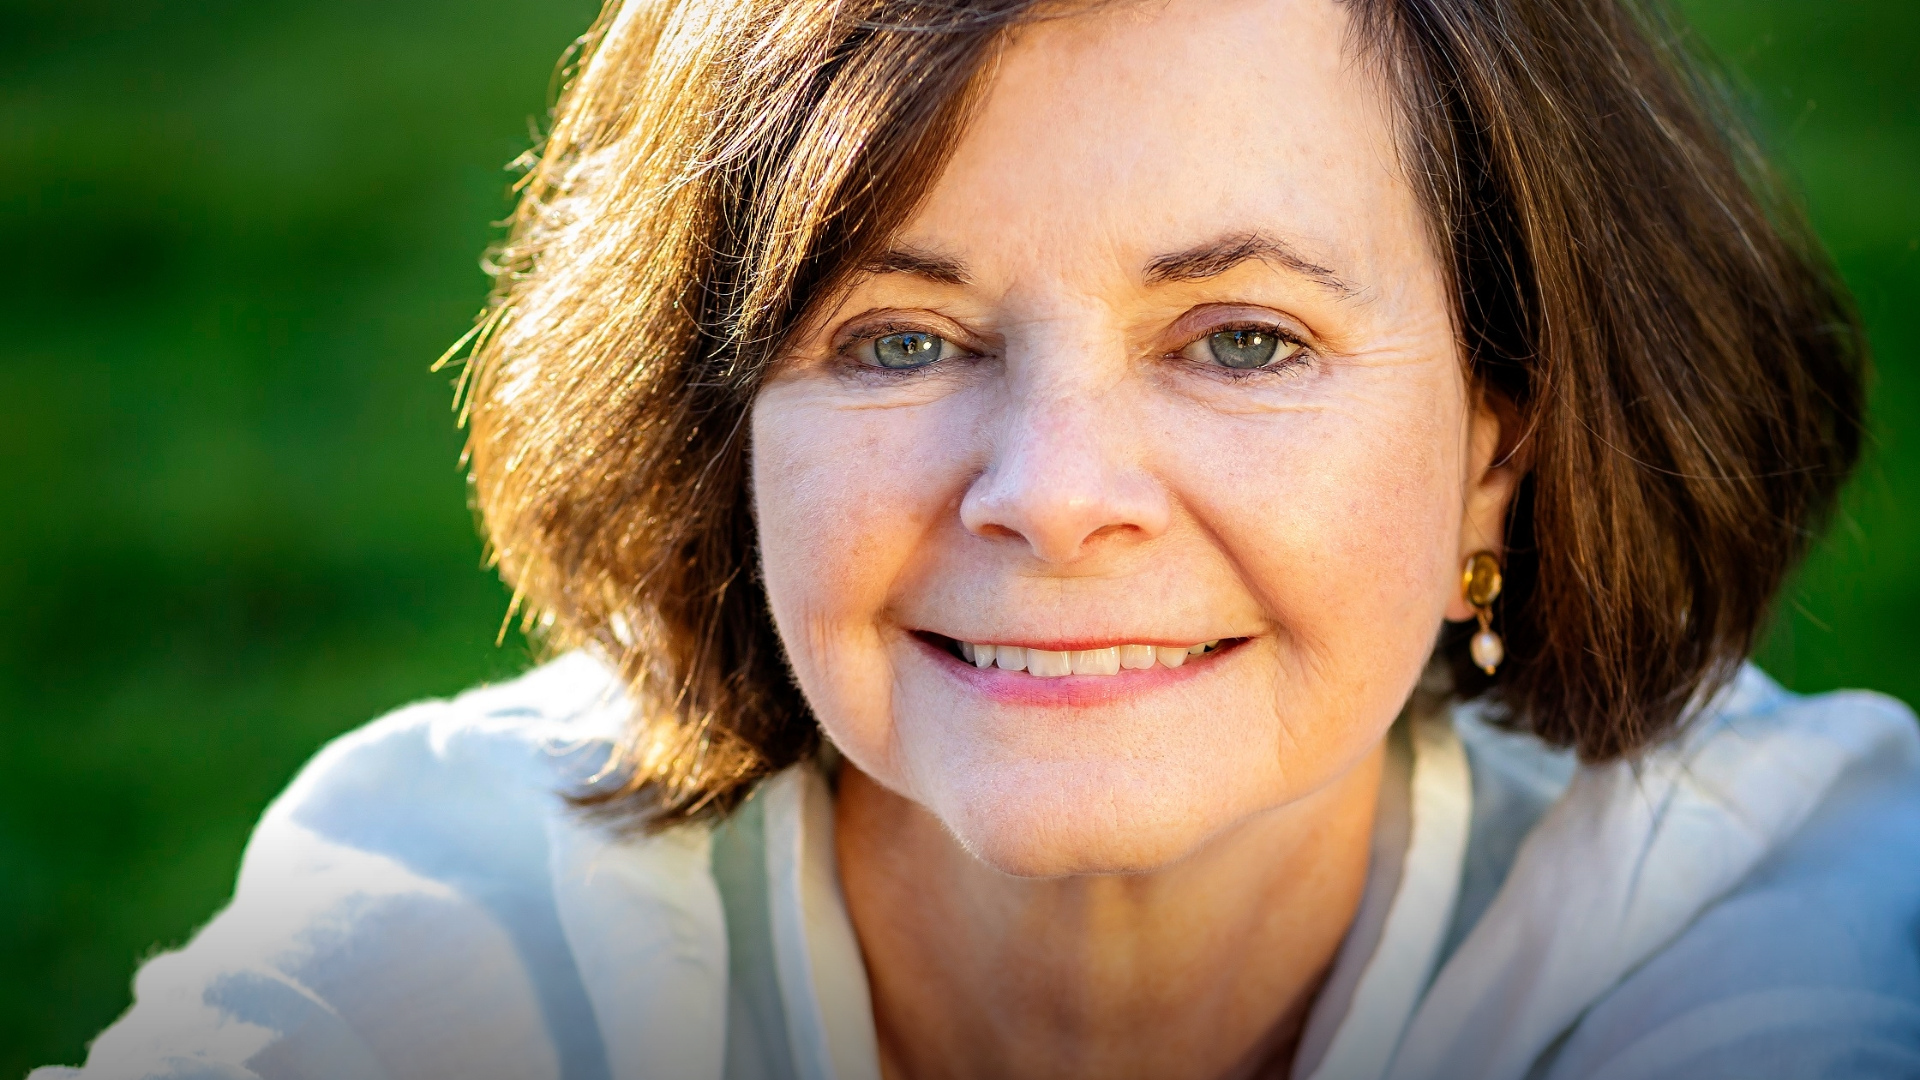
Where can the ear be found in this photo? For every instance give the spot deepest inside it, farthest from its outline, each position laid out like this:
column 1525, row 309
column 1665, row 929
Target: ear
column 1497, row 459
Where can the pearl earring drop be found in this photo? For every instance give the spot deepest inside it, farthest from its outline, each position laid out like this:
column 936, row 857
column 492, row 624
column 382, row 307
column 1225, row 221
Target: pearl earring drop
column 1481, row 582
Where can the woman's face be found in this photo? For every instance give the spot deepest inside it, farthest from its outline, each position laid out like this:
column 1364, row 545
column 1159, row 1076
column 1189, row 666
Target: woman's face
column 1165, row 359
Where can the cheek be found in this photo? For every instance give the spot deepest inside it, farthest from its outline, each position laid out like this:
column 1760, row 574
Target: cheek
column 1344, row 523
column 842, row 500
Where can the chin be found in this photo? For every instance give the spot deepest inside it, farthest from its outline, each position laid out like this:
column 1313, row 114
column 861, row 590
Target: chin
column 1049, row 821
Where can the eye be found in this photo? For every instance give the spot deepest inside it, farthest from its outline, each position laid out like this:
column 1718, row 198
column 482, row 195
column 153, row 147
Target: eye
column 1243, row 348
column 907, row 349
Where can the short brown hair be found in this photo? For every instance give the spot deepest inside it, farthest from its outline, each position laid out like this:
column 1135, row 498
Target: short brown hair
column 1686, row 372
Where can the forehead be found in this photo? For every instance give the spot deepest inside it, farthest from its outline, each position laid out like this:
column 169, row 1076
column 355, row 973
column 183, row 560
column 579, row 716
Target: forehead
column 1146, row 127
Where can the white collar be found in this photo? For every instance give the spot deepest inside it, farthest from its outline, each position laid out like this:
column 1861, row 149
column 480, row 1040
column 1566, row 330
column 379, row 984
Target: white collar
column 823, row 978
column 1389, row 985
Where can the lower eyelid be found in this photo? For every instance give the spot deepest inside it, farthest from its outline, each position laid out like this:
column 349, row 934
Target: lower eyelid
column 851, row 361
column 1290, row 366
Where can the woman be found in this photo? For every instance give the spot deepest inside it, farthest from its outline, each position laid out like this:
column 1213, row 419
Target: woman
column 1203, row 538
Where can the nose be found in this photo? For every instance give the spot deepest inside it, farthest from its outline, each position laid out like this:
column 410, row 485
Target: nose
column 1067, row 476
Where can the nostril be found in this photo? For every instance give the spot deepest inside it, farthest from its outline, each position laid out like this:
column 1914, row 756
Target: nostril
column 995, row 531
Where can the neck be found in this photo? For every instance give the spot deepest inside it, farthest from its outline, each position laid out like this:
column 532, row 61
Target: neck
column 1203, row 969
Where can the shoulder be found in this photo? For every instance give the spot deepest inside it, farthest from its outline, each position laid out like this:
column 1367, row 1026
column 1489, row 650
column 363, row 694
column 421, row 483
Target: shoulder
column 1758, row 729
column 394, row 911
column 1659, row 915
column 1757, row 763
column 1809, row 964
column 443, row 797
column 489, row 735
column 1757, row 748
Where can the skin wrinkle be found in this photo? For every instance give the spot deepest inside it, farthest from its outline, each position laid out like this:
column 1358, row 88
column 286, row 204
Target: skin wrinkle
column 1026, row 876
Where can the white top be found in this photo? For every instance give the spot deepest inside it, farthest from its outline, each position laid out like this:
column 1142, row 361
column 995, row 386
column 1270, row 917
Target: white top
column 420, row 903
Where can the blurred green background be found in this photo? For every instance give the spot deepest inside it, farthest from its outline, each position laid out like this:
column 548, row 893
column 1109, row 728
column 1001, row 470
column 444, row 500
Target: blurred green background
column 231, row 525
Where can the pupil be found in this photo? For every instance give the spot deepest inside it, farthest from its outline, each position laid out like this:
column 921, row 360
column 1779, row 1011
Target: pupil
column 1244, row 348
column 908, row 350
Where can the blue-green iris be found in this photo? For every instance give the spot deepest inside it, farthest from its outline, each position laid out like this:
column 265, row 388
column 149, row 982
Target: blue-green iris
column 907, row 350
column 1244, row 349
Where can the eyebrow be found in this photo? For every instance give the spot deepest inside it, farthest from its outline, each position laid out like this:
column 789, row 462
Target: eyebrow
column 919, row 263
column 1221, row 254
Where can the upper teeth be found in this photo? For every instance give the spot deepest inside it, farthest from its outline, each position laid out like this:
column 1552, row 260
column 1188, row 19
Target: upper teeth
column 1047, row 663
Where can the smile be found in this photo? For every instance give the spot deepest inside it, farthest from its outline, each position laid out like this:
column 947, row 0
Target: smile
column 1048, row 663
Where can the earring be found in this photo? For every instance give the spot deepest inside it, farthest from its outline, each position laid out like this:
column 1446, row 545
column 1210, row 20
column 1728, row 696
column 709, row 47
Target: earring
column 1480, row 581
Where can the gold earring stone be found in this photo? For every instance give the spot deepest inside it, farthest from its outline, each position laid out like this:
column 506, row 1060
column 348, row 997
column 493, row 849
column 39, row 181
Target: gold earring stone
column 1480, row 583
